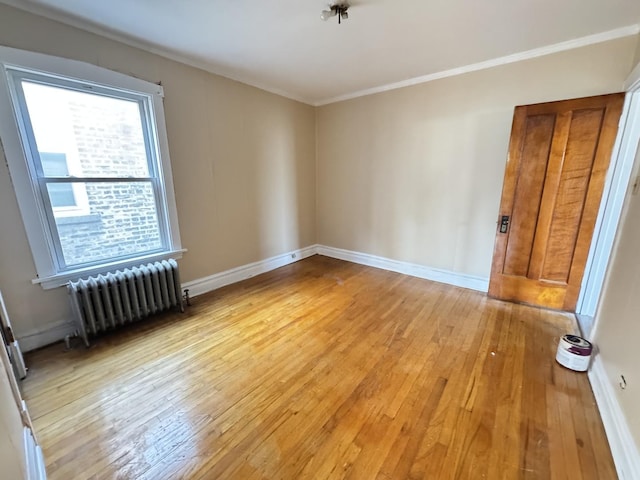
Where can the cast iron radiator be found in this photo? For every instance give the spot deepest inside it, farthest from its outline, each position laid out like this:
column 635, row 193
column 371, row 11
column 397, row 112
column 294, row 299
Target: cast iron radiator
column 107, row 301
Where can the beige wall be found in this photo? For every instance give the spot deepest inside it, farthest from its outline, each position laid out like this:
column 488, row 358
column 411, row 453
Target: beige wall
column 12, row 452
column 617, row 323
column 415, row 174
column 243, row 164
column 13, row 456
column 637, row 56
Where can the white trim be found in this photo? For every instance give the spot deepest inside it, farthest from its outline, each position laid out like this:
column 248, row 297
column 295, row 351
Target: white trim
column 434, row 274
column 46, row 336
column 217, row 70
column 41, row 337
column 495, row 62
column 222, row 279
column 633, row 80
column 81, row 71
column 585, row 324
column 33, row 213
column 228, row 277
column 61, row 279
column 623, row 448
column 613, row 197
column 147, row 47
column 34, row 458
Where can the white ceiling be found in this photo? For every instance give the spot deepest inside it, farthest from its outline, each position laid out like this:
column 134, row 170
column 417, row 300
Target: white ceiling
column 284, row 47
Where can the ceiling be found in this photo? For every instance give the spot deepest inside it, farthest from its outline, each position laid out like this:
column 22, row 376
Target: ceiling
column 283, row 46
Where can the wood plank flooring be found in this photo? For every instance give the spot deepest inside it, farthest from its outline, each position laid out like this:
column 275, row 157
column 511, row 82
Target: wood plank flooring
column 322, row 369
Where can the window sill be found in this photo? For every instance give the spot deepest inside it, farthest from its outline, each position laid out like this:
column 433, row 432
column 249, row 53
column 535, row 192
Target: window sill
column 61, row 279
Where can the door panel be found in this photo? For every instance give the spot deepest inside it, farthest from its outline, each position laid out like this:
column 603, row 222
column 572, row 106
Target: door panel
column 558, row 157
column 536, row 144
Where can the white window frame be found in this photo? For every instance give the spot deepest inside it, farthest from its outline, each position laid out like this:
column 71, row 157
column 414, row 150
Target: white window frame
column 32, row 210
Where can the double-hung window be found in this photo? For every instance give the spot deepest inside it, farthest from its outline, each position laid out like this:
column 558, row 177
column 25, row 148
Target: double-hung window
column 87, row 151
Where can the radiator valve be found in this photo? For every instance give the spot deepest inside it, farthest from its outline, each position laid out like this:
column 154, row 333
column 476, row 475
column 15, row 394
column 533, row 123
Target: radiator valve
column 186, row 297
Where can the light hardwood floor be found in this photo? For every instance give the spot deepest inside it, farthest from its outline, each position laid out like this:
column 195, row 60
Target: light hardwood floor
column 322, row 369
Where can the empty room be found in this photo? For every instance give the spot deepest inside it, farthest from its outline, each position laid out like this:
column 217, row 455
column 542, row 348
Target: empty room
column 294, row 239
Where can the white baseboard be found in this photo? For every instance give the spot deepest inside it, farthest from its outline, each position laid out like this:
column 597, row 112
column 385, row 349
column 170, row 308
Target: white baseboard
column 58, row 331
column 623, row 448
column 222, row 279
column 443, row 276
column 46, row 336
column 585, row 324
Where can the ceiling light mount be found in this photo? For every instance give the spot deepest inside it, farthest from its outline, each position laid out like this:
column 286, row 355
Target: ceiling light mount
column 336, row 10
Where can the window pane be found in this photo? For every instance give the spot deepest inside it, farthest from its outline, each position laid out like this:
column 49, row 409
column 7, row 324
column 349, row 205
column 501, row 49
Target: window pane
column 61, row 195
column 122, row 221
column 55, row 165
column 100, row 136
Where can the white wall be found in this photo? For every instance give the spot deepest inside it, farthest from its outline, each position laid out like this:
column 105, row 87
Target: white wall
column 243, row 163
column 416, row 174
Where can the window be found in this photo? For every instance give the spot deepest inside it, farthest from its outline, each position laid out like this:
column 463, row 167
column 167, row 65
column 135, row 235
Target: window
column 90, row 166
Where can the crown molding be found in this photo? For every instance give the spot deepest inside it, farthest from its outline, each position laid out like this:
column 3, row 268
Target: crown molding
column 90, row 27
column 495, row 62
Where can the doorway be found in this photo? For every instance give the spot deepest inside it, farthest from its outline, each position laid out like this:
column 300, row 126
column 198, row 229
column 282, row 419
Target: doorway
column 618, row 181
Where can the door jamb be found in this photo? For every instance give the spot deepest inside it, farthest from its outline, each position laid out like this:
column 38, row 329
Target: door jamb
column 616, row 185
